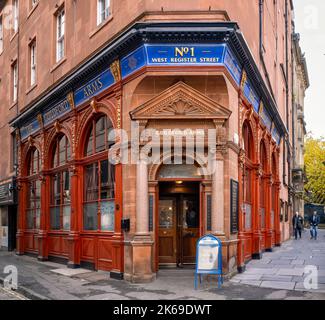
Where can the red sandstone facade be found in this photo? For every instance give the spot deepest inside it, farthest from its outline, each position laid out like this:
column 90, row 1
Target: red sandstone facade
column 246, row 149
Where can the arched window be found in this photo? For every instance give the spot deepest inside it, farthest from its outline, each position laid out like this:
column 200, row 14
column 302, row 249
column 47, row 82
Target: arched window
column 99, row 178
column 33, row 205
column 61, row 185
column 247, row 174
column 248, row 141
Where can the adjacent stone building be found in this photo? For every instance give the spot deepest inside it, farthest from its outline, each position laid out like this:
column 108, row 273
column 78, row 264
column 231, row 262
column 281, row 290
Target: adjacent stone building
column 72, row 71
column 300, row 85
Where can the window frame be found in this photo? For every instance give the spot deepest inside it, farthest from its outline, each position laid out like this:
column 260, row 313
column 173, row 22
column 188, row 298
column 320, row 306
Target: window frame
column 14, row 89
column 15, row 16
column 97, row 159
column 33, row 180
column 60, row 169
column 103, row 11
column 60, row 34
column 33, row 62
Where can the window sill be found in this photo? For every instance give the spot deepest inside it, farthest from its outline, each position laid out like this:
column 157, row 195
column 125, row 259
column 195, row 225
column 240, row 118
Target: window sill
column 101, row 26
column 32, row 9
column 58, row 64
column 13, row 36
column 31, row 88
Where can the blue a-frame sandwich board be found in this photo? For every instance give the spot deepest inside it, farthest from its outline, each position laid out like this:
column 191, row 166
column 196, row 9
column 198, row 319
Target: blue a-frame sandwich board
column 213, row 245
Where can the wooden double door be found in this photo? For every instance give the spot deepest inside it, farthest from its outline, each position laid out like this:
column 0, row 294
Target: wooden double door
column 179, row 228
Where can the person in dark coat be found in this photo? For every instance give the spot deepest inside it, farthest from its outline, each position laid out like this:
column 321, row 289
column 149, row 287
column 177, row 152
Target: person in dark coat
column 314, row 222
column 297, row 223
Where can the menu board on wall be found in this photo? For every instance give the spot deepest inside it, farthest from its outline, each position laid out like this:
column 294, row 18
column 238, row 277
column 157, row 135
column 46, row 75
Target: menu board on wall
column 234, row 206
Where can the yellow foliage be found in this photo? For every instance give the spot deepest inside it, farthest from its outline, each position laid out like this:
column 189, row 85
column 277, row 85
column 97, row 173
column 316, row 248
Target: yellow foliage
column 315, row 169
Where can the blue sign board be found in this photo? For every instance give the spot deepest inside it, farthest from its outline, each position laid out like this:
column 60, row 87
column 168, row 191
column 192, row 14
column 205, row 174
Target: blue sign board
column 233, row 66
column 276, row 136
column 181, row 54
column 251, row 96
column 266, row 118
column 94, row 87
column 208, row 258
column 185, row 54
column 56, row 112
column 29, row 129
column 133, row 62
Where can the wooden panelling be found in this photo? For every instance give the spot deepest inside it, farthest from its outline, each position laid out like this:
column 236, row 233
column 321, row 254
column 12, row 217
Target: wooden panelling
column 87, row 249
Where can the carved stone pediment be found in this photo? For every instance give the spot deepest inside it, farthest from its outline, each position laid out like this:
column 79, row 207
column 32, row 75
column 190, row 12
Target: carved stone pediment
column 180, row 102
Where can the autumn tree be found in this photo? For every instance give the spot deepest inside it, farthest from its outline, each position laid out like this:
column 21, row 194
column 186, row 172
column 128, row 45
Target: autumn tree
column 315, row 170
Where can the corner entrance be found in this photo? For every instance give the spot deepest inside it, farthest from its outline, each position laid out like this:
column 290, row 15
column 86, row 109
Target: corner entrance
column 179, row 223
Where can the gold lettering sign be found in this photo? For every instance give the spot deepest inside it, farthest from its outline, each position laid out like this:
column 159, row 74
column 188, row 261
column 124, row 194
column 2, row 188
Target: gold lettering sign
column 92, row 88
column 180, row 52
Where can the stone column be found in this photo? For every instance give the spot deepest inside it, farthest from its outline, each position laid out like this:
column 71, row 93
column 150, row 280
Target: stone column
column 42, row 233
column 217, row 218
column 257, row 234
column 74, row 235
column 142, row 204
column 142, row 244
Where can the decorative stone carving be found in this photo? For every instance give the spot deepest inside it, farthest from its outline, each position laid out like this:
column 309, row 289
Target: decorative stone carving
column 57, row 126
column 241, row 158
column 70, row 98
column 74, row 137
column 118, row 114
column 73, row 170
column 31, row 141
column 181, row 102
column 221, row 132
column 94, row 106
column 116, row 70
column 40, row 120
column 243, row 80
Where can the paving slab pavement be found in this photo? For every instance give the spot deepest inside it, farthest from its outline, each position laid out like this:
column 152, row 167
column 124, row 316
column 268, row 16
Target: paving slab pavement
column 285, row 268
column 263, row 280
column 37, row 281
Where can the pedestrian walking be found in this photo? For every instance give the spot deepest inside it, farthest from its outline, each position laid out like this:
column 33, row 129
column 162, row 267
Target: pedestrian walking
column 314, row 222
column 297, row 222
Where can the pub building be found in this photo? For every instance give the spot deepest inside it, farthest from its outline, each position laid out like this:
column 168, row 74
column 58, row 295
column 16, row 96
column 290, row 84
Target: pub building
column 77, row 207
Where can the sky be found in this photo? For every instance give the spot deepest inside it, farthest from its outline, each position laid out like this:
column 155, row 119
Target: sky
column 310, row 23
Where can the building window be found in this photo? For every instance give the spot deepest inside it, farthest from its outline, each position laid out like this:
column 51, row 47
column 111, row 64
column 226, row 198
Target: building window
column 99, row 179
column 103, row 10
column 60, row 186
column 33, row 212
column 32, row 50
column 15, row 15
column 1, row 35
column 60, row 31
column 248, row 143
column 15, row 81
